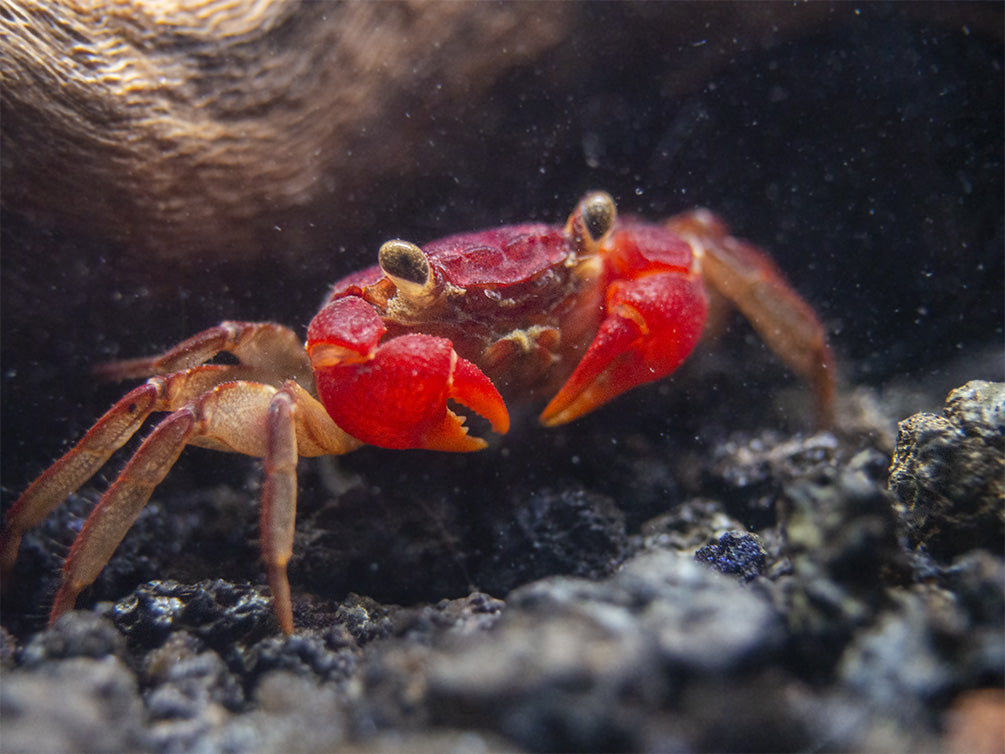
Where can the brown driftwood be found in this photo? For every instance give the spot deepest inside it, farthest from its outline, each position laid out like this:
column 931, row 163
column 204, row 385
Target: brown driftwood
column 190, row 127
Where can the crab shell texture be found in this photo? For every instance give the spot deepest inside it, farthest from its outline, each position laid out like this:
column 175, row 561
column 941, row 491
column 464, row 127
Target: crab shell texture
column 610, row 303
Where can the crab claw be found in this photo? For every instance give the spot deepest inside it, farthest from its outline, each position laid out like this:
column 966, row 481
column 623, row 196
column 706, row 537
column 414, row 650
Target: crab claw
column 395, row 394
column 652, row 323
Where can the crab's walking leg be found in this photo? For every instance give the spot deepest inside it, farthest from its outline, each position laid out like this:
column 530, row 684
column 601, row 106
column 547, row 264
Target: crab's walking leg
column 269, row 348
column 243, row 417
column 267, row 352
column 753, row 284
column 120, row 505
column 107, row 435
column 297, row 425
column 279, row 503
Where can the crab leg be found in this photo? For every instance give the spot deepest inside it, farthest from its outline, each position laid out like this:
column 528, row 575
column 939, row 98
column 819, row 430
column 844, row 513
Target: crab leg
column 297, row 425
column 267, row 352
column 279, row 503
column 745, row 276
column 119, row 507
column 245, row 417
column 270, row 348
column 107, row 435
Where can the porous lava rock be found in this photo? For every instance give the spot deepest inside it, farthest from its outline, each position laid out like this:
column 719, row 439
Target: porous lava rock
column 949, row 472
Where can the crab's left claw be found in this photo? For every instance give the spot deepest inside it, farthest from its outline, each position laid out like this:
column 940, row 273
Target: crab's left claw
column 651, row 324
column 395, row 394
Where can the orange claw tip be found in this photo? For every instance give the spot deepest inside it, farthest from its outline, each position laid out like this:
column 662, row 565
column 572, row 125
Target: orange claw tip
column 555, row 416
column 472, row 389
column 609, row 368
column 451, row 436
column 566, row 407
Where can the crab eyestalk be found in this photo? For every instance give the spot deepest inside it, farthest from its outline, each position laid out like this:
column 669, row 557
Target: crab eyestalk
column 407, row 267
column 591, row 222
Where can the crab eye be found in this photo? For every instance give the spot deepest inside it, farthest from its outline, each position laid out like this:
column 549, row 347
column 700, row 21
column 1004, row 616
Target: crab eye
column 598, row 212
column 409, row 270
column 401, row 260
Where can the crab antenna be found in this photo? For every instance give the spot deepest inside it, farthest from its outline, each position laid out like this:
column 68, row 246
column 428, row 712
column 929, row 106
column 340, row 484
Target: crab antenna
column 409, row 270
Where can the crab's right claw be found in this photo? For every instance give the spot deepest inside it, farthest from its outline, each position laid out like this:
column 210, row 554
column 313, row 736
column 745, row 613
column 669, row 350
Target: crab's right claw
column 469, row 387
column 395, row 394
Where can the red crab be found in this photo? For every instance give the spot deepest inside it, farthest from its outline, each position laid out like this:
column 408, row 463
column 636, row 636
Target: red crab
column 589, row 309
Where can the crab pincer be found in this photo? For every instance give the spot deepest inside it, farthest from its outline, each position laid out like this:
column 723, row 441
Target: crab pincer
column 654, row 312
column 395, row 394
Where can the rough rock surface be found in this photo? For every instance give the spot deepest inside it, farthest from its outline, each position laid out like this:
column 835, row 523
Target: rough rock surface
column 815, row 628
column 949, row 471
